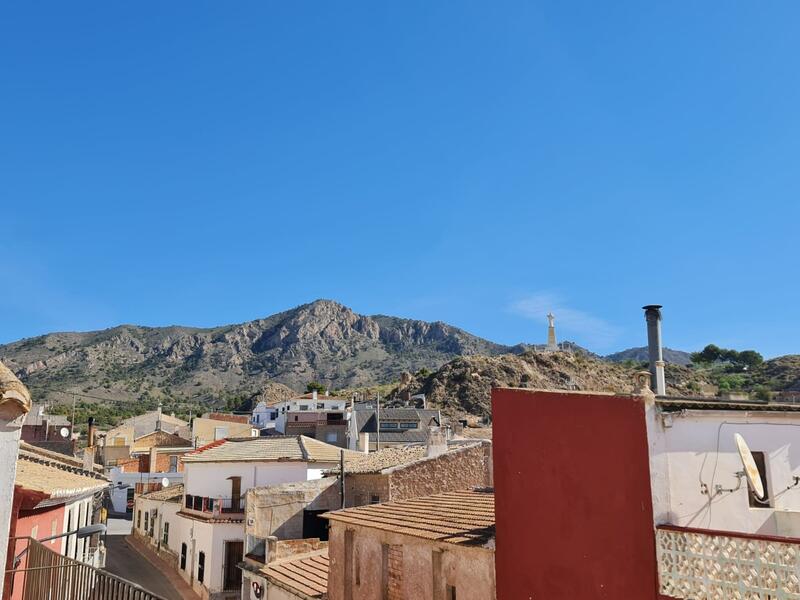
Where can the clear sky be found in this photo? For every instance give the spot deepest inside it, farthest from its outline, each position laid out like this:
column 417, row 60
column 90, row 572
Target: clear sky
column 479, row 163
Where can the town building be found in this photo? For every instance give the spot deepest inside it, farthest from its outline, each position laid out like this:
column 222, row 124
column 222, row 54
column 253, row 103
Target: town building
column 15, row 403
column 320, row 416
column 264, row 416
column 370, row 430
column 205, row 430
column 137, row 426
column 438, row 547
column 154, row 457
column 399, row 473
column 216, row 479
column 157, row 524
column 656, row 484
column 53, row 432
column 297, row 576
column 53, row 496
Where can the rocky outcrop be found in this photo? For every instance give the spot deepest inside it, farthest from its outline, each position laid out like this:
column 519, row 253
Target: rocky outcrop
column 323, row 341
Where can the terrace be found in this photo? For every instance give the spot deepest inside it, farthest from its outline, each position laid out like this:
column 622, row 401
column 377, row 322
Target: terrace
column 213, row 507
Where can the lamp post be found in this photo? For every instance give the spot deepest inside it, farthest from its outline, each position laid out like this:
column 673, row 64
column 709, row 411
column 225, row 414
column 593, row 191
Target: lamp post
column 81, row 533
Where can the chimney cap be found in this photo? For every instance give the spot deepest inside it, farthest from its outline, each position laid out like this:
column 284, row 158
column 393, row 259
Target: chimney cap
column 652, row 306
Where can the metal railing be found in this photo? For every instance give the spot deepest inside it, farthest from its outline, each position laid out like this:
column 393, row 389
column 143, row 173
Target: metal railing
column 217, row 505
column 46, row 575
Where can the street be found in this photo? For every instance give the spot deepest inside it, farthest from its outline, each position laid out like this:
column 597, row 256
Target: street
column 125, row 562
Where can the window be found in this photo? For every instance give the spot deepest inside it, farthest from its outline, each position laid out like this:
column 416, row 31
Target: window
column 220, row 433
column 165, row 538
column 331, row 437
column 451, row 592
column 754, row 501
column 35, row 532
column 139, row 518
column 201, row 566
column 146, row 516
column 273, row 415
column 173, row 464
column 388, row 425
column 295, row 417
column 258, row 418
column 304, row 407
column 320, row 405
column 408, row 425
column 375, row 499
column 183, row 557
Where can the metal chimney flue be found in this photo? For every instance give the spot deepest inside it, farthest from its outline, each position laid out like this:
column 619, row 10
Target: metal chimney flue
column 652, row 313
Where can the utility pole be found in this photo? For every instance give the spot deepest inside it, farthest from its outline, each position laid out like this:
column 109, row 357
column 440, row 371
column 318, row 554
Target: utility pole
column 341, row 475
column 378, row 423
column 72, row 424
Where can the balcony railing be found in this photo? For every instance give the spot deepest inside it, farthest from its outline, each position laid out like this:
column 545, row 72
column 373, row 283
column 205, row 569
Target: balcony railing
column 42, row 573
column 702, row 564
column 214, row 506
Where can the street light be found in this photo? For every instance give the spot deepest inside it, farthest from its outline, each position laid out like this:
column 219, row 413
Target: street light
column 81, row 533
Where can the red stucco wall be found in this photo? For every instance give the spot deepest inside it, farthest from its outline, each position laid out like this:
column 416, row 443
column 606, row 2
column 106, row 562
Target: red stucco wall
column 572, row 494
column 23, row 526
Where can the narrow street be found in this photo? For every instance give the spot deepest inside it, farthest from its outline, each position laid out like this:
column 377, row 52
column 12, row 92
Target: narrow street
column 122, row 560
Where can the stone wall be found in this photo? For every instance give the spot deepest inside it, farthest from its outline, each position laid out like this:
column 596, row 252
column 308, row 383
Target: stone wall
column 360, row 488
column 384, row 564
column 279, row 509
column 459, row 469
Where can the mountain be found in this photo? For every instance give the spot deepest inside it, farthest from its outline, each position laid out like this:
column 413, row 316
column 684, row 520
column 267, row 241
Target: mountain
column 463, row 386
column 677, row 357
column 322, row 341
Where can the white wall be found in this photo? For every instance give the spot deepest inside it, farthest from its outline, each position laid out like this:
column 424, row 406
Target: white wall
column 119, row 497
column 700, row 448
column 211, row 479
column 209, row 538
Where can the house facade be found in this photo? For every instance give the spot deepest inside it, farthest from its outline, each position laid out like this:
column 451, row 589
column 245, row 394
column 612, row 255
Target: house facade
column 53, row 497
column 370, row 430
column 319, row 416
column 437, row 547
column 652, row 483
column 217, row 478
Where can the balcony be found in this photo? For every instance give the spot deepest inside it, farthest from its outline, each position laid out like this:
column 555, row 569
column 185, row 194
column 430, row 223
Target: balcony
column 702, row 564
column 42, row 573
column 214, row 507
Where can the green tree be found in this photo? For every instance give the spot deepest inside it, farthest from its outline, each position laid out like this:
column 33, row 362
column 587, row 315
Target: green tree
column 315, row 386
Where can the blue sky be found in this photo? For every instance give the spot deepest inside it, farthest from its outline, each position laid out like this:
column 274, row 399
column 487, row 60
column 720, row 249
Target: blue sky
column 477, row 163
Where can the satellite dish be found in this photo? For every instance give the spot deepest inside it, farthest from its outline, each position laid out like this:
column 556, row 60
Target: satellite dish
column 750, row 468
column 165, row 482
column 64, row 432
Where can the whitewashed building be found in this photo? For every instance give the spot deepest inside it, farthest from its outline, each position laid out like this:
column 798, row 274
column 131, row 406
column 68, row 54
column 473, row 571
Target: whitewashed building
column 216, row 478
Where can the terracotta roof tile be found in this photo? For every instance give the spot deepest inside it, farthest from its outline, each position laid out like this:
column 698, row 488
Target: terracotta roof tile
column 289, row 448
column 305, row 575
column 173, row 493
column 54, row 478
column 464, row 517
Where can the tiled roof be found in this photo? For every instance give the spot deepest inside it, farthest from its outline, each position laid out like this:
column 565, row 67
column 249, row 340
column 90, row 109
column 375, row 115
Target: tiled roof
column 671, row 403
column 34, row 418
column 366, row 422
column 285, row 448
column 159, row 439
column 375, row 462
column 230, row 418
column 56, row 456
column 55, row 478
column 305, row 575
column 172, row 493
column 463, row 517
column 477, row 433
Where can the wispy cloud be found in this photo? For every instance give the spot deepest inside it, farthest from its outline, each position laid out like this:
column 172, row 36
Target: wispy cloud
column 580, row 325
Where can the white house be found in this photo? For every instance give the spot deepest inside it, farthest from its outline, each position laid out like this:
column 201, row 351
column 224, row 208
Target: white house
column 264, row 416
column 694, row 442
column 216, row 478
